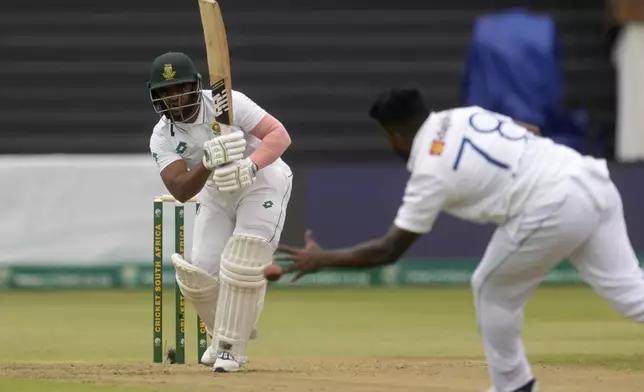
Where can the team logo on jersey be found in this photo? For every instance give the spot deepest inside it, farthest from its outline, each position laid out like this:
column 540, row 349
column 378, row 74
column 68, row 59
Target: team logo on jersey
column 168, row 72
column 438, row 144
column 437, row 147
column 216, row 129
column 181, row 148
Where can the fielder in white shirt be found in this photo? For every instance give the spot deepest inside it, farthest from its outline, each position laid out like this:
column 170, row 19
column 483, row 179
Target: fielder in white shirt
column 549, row 202
column 243, row 187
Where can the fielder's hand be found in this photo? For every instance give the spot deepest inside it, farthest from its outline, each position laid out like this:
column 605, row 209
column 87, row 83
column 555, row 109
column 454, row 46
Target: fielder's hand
column 224, row 149
column 235, row 176
column 305, row 260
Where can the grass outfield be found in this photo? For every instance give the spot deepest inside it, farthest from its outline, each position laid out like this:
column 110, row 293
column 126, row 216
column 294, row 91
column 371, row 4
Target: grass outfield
column 420, row 339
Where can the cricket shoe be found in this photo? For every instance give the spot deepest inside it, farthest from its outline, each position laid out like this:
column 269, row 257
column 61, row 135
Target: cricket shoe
column 210, row 355
column 532, row 386
column 226, row 363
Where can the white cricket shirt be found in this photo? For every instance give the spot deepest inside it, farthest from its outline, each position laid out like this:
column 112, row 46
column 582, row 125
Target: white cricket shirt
column 478, row 166
column 171, row 142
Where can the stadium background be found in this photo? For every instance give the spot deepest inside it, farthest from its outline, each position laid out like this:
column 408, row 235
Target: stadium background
column 76, row 119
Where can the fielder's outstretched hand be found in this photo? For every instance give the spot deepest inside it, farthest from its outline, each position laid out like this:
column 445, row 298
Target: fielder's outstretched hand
column 305, row 260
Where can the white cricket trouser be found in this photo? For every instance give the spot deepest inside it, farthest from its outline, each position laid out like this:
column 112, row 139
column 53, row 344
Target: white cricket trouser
column 522, row 253
column 259, row 210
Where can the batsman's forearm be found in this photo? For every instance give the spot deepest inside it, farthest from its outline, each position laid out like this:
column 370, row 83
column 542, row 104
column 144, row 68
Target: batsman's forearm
column 187, row 185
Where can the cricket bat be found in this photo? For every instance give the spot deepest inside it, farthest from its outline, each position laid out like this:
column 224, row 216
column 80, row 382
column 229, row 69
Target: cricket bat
column 218, row 56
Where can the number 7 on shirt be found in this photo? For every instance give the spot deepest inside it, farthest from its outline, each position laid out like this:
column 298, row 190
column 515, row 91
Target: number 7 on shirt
column 469, row 144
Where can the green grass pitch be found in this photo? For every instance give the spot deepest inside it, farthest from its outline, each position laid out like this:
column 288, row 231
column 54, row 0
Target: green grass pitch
column 75, row 334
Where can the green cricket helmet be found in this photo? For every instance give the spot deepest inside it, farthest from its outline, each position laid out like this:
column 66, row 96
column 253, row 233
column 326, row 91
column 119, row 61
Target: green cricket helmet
column 175, row 87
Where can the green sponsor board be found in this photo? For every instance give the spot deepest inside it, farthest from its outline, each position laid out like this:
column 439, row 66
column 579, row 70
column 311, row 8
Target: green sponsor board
column 416, row 273
column 35, row 277
column 141, row 275
column 129, row 276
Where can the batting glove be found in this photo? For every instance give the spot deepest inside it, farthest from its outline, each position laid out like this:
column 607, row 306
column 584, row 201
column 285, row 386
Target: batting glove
column 235, row 176
column 224, row 149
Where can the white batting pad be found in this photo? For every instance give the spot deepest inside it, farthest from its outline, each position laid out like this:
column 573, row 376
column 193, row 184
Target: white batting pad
column 242, row 291
column 199, row 288
column 258, row 311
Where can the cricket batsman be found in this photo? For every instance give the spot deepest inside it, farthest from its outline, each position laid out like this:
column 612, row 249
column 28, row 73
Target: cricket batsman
column 243, row 187
column 549, row 203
